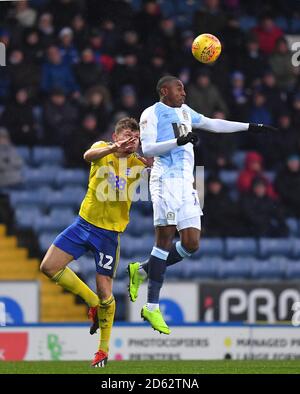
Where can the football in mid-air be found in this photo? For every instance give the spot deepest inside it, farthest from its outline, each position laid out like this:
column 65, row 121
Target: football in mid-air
column 206, row 48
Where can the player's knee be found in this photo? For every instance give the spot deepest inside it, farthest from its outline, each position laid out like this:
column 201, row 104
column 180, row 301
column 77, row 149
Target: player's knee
column 191, row 245
column 164, row 243
column 46, row 268
column 43, row 267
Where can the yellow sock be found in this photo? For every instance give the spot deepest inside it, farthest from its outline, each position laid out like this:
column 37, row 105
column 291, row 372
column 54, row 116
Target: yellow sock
column 70, row 281
column 106, row 314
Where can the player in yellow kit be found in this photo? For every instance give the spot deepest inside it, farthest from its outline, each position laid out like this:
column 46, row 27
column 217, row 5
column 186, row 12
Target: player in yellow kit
column 103, row 215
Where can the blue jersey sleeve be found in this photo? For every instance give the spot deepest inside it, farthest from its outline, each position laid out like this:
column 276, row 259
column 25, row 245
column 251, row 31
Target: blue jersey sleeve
column 195, row 117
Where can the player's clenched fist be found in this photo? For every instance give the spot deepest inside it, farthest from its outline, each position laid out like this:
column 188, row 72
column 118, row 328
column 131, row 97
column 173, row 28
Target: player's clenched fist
column 189, row 137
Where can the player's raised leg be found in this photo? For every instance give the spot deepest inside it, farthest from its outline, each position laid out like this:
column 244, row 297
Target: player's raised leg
column 54, row 265
column 138, row 271
column 106, row 249
column 189, row 230
column 189, row 243
column 189, row 240
column 157, row 267
column 106, row 313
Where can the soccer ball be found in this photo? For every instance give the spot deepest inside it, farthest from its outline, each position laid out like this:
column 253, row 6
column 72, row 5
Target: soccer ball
column 206, row 48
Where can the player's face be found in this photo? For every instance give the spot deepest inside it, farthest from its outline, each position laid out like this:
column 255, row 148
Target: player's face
column 132, row 134
column 176, row 93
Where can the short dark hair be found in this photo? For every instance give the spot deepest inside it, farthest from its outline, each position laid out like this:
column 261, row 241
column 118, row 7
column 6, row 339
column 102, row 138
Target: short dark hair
column 163, row 81
column 127, row 123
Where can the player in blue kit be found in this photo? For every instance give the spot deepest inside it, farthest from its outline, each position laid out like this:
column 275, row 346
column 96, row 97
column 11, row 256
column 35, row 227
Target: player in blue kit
column 166, row 134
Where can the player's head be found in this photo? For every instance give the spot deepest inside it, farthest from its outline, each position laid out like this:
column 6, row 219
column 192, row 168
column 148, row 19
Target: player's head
column 127, row 128
column 171, row 91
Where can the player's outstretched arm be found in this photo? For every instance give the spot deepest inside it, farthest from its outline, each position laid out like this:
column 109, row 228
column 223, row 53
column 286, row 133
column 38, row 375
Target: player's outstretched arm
column 94, row 154
column 152, row 149
column 226, row 126
column 97, row 153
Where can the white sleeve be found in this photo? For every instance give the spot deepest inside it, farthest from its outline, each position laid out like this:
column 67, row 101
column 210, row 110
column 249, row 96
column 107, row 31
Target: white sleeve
column 220, row 125
column 148, row 134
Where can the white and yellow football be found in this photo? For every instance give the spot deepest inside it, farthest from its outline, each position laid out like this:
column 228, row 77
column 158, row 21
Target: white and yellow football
column 206, row 48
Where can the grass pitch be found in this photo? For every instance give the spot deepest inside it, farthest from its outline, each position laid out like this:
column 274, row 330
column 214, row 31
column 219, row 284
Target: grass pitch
column 153, row 367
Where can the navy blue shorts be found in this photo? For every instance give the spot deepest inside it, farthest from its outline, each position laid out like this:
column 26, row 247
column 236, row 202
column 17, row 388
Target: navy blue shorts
column 81, row 237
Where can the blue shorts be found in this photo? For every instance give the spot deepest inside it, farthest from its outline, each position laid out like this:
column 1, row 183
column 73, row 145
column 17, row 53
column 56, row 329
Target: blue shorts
column 81, row 237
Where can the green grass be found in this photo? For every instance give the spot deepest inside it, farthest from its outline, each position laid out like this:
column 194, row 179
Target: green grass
column 153, row 367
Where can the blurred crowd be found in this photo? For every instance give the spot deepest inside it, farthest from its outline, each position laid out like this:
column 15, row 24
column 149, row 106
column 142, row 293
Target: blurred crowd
column 74, row 67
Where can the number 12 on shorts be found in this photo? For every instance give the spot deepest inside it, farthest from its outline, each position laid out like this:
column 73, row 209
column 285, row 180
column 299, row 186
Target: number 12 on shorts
column 108, row 263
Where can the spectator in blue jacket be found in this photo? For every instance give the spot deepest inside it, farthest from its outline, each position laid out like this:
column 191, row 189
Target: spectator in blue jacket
column 259, row 112
column 68, row 51
column 57, row 74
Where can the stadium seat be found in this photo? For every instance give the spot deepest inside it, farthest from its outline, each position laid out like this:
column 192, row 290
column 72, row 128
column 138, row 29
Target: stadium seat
column 295, row 248
column 25, row 153
column 140, row 225
column 120, row 288
column 29, row 197
column 25, row 216
column 122, row 268
column 40, row 176
column 176, row 270
column 136, row 248
column 229, row 177
column 74, row 265
column 205, row 268
column 209, row 247
column 274, row 246
column 238, row 159
column 86, row 264
column 240, row 246
column 71, row 177
column 66, row 213
column 234, row 269
column 292, row 270
column 91, row 282
column 45, row 240
column 293, row 225
column 47, row 155
column 282, row 259
column 69, row 196
column 267, row 269
column 50, row 224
